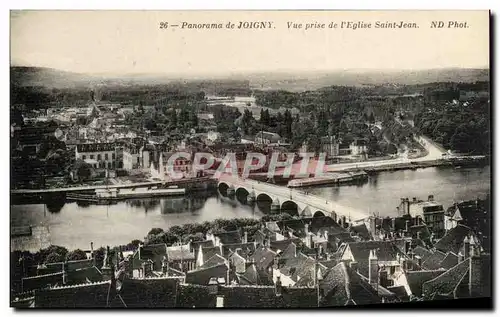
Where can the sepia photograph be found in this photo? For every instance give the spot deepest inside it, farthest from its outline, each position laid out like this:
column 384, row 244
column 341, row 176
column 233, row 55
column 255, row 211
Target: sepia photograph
column 250, row 159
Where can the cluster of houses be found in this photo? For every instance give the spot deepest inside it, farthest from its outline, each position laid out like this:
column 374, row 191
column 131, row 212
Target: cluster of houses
column 308, row 262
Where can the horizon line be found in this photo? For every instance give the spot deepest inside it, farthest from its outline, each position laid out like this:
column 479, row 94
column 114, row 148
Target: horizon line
column 247, row 72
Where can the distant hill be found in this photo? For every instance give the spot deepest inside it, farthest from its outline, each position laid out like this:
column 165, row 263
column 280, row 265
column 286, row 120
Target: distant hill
column 313, row 81
column 293, row 81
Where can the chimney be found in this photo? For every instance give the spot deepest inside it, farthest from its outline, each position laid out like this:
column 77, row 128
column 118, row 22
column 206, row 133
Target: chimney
column 431, row 198
column 393, row 224
column 268, row 242
column 354, row 266
column 419, row 261
column 65, row 274
column 199, row 260
column 475, row 278
column 245, row 237
column 466, row 247
column 309, row 242
column 276, row 262
column 92, row 256
column 373, row 268
column 373, row 226
column 306, row 228
column 325, row 235
column 473, row 247
column 147, row 268
column 407, row 225
column 408, row 206
column 220, row 301
column 383, row 279
column 407, row 246
column 414, row 199
column 344, row 222
column 277, row 286
column 217, row 241
column 460, row 257
column 418, row 235
column 165, row 266
column 320, row 250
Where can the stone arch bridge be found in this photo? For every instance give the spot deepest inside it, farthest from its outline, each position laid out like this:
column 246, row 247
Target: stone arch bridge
column 307, row 205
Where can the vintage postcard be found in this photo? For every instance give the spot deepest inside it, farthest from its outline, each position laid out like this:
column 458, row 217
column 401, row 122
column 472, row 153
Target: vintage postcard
column 250, row 159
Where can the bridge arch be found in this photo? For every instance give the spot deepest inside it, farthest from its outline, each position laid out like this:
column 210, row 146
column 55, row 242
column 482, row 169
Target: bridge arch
column 223, row 187
column 290, row 207
column 242, row 194
column 264, row 202
column 319, row 213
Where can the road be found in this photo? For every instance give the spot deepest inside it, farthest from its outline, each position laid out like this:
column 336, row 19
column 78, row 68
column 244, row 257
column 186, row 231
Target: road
column 433, row 153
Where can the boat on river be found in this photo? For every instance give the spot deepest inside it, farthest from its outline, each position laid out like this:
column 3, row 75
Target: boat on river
column 110, row 195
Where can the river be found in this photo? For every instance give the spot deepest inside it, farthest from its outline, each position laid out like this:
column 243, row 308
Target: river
column 75, row 226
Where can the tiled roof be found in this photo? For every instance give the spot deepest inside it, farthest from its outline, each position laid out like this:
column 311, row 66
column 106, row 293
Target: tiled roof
column 246, row 249
column 148, row 293
column 453, row 239
column 154, row 252
column 450, row 260
column 320, row 224
column 210, row 252
column 48, row 268
column 214, row 260
column 273, row 226
column 362, row 231
column 386, row 251
column 263, row 257
column 255, row 276
column 400, row 292
column 240, row 296
column 342, row 286
column 445, row 283
column 195, row 296
column 416, row 279
column 203, row 276
column 78, row 296
column 422, row 252
column 291, row 251
column 299, row 267
column 381, row 291
column 283, row 244
column 204, row 244
column 229, row 237
column 433, row 262
column 84, row 275
column 179, row 252
column 41, row 281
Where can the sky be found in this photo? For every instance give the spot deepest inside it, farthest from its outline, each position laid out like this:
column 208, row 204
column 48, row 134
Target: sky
column 128, row 42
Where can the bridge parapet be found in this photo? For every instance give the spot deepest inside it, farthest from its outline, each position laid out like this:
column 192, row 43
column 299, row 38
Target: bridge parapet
column 303, row 200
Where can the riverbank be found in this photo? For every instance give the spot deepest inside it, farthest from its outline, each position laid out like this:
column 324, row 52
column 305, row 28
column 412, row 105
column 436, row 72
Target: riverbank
column 423, row 164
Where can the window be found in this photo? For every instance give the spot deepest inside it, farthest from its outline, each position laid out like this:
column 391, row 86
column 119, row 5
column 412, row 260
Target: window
column 98, row 157
column 106, row 156
column 84, row 157
column 91, row 156
column 113, row 156
column 138, row 160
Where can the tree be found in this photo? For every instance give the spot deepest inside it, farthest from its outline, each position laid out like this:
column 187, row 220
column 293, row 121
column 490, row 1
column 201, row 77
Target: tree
column 54, row 257
column 76, row 255
column 155, row 231
column 83, row 170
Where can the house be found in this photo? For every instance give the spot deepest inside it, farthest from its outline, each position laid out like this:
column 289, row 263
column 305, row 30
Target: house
column 169, row 166
column 431, row 211
column 181, row 257
column 131, row 157
column 103, row 153
column 469, row 278
column 359, row 147
column 389, row 258
column 330, row 145
column 264, row 137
